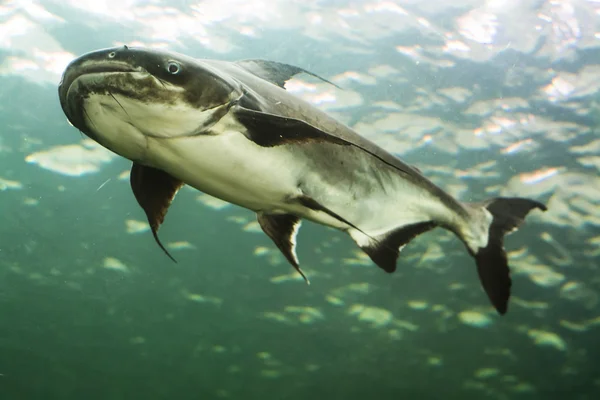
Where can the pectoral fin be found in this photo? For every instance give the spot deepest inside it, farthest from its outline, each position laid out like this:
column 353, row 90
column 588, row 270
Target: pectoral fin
column 282, row 229
column 154, row 191
column 269, row 130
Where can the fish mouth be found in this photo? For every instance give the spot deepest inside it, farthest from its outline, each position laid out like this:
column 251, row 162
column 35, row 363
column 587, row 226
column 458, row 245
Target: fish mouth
column 72, row 103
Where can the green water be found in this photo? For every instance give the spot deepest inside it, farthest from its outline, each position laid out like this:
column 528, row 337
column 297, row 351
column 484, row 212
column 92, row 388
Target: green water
column 90, row 311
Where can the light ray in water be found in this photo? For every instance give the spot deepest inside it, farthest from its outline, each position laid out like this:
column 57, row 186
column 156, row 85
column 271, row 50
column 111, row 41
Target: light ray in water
column 101, row 186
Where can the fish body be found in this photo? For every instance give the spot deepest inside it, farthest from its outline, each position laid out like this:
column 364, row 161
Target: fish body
column 231, row 130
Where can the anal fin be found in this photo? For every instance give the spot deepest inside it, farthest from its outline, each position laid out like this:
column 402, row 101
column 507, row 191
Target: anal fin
column 282, row 229
column 154, row 191
column 385, row 249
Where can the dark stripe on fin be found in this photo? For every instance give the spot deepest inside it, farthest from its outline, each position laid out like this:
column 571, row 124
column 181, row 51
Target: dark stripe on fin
column 269, row 130
column 492, row 263
column 385, row 250
column 282, row 229
column 154, row 191
column 311, row 203
column 276, row 72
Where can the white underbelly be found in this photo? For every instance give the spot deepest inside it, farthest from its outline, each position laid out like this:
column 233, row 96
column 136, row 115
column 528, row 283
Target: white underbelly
column 231, row 167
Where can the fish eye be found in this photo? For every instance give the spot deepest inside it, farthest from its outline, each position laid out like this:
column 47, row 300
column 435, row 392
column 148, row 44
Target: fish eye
column 173, row 67
column 112, row 54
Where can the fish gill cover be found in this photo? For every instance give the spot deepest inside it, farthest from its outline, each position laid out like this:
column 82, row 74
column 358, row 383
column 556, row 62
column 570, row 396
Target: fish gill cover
column 486, row 98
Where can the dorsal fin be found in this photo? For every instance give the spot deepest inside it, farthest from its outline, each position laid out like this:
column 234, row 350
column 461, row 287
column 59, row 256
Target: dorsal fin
column 276, row 72
column 282, row 229
column 154, row 191
column 384, row 250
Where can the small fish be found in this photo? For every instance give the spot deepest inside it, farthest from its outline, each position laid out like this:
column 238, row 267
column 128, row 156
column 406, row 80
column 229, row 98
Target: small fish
column 231, row 130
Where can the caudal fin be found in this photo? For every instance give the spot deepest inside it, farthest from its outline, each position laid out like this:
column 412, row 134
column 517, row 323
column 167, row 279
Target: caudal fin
column 492, row 265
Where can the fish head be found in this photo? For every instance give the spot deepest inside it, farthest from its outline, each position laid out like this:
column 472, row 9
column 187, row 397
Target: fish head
column 120, row 97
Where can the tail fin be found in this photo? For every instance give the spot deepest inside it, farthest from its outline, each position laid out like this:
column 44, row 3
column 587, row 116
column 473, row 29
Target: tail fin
column 492, row 265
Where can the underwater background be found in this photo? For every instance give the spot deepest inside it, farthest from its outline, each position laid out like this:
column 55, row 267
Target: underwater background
column 486, row 98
